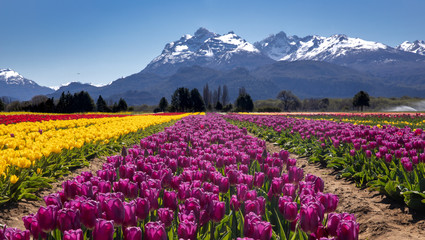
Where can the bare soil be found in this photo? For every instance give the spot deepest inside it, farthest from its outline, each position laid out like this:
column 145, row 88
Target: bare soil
column 379, row 217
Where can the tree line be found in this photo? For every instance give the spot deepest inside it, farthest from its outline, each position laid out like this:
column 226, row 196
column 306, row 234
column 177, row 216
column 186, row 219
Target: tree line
column 67, row 103
column 184, row 100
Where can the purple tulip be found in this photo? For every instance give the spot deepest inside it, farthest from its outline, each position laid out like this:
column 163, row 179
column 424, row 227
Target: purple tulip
column 252, row 206
column 259, row 179
column 241, row 190
column 73, row 235
column 130, row 219
column 53, row 199
column 251, row 219
column 71, row 189
column 333, row 223
column 166, row 216
column 187, row 230
column 103, row 230
column 234, row 203
column 47, row 217
column 104, row 186
column 155, row 231
column 142, row 208
column 89, row 212
column 68, row 219
column 290, row 211
column 223, row 184
column 87, row 189
column 329, row 201
column 218, row 211
column 348, row 230
column 132, row 233
column 263, row 231
column 17, row 234
column 27, row 221
column 170, row 200
column 36, row 231
column 113, row 209
column 152, row 195
column 309, row 218
column 289, row 189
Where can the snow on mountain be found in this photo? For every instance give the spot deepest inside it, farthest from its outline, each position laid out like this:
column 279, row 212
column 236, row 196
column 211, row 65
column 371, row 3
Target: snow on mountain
column 417, row 46
column 206, row 48
column 11, row 77
column 283, row 48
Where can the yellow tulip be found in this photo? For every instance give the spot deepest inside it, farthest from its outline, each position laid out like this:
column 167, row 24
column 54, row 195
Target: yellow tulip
column 13, row 179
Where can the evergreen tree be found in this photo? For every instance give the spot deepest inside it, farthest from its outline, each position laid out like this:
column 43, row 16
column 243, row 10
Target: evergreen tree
column 361, row 99
column 163, row 104
column 180, row 100
column 198, row 104
column 1, row 105
column 225, row 96
column 206, row 95
column 219, row 106
column 101, row 105
column 122, row 105
column 244, row 101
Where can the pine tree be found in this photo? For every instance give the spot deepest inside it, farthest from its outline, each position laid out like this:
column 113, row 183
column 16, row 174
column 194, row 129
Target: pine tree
column 198, row 104
column 163, row 104
column 101, row 105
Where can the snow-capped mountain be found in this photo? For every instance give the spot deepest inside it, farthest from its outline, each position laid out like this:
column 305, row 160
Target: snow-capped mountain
column 14, row 85
column 9, row 76
column 280, row 47
column 417, row 46
column 206, row 48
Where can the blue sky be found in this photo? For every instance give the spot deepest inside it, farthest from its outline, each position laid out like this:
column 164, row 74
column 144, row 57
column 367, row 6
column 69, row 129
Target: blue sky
column 97, row 41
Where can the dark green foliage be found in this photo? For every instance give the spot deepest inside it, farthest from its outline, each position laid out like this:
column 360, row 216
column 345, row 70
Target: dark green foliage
column 361, row 99
column 180, row 100
column 1, row 105
column 219, row 106
column 197, row 102
column 101, row 105
column 244, row 102
column 163, row 104
column 269, row 109
column 228, row 107
column 122, row 105
column 79, row 102
column 290, row 101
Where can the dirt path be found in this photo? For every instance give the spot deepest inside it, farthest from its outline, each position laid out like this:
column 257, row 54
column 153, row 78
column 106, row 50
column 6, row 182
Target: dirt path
column 12, row 213
column 378, row 216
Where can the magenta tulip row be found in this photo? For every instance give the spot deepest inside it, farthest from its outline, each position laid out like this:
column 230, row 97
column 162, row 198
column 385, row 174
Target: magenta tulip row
column 182, row 183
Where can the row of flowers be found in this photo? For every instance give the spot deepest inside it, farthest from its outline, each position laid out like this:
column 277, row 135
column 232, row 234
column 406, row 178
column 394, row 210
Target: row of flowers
column 388, row 159
column 202, row 178
column 35, row 153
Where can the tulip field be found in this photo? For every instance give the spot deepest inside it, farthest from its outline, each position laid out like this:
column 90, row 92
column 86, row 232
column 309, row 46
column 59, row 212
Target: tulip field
column 364, row 148
column 34, row 152
column 197, row 176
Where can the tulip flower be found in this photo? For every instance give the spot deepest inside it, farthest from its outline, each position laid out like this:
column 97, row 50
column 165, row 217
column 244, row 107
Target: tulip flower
column 259, row 179
column 53, row 199
column 218, row 211
column 132, row 233
column 187, row 230
column 348, row 230
column 329, row 201
column 47, row 217
column 89, row 212
column 309, row 218
column 114, row 210
column 234, row 203
column 36, row 231
column 130, row 219
column 333, row 223
column 252, row 206
column 73, row 235
column 27, row 220
column 263, row 231
column 103, row 230
column 142, row 208
column 290, row 211
column 170, row 200
column 155, row 231
column 289, row 190
column 68, row 219
column 17, row 234
column 166, row 216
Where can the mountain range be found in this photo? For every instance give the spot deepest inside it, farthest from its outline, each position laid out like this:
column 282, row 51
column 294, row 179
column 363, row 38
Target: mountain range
column 311, row 66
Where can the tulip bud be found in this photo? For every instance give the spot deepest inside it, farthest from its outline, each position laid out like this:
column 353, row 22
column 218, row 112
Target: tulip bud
column 333, row 223
column 89, row 212
column 170, row 200
column 17, row 234
column 73, row 235
column 103, row 230
column 259, row 179
column 68, row 219
column 142, row 208
column 187, row 230
column 234, row 203
column 290, row 211
column 47, row 217
column 166, row 216
column 155, row 231
column 113, row 209
column 348, row 230
column 309, row 218
column 129, row 215
column 132, row 233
